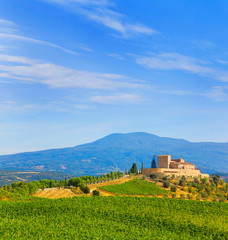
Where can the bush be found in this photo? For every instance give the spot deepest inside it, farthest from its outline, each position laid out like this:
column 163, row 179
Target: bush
column 85, row 189
column 183, row 178
column 204, row 195
column 153, row 176
column 182, row 182
column 198, row 197
column 96, row 193
column 165, row 178
column 166, row 184
column 204, row 180
column 189, row 196
column 174, row 196
column 143, row 177
column 182, row 197
column 173, row 188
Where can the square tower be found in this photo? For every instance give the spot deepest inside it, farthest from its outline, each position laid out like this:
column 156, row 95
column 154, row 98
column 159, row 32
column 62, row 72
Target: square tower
column 164, row 161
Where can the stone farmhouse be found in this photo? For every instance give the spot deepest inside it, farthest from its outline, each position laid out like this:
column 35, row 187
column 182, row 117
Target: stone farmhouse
column 177, row 167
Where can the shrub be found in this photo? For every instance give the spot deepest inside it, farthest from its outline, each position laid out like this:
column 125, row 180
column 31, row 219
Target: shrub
column 182, row 197
column 85, row 189
column 198, row 197
column 143, row 177
column 189, row 196
column 174, row 195
column 153, row 176
column 193, row 191
column 96, row 193
column 173, row 188
column 204, row 180
column 183, row 178
column 166, row 184
column 165, row 178
column 182, row 182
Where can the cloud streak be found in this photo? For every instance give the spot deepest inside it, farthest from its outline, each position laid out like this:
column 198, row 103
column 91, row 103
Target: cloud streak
column 29, row 70
column 118, row 99
column 103, row 12
column 174, row 61
column 32, row 40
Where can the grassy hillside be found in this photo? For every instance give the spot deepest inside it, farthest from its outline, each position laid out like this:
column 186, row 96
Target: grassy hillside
column 117, row 152
column 135, row 187
column 113, row 218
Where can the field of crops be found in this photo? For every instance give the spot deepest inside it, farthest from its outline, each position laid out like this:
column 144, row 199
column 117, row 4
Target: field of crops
column 113, row 218
column 135, row 187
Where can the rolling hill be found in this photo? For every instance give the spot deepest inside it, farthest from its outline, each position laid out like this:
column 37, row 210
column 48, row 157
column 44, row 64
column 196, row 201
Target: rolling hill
column 117, row 152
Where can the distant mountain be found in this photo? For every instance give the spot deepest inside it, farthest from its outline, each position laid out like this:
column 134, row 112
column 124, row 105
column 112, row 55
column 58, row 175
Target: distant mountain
column 118, row 152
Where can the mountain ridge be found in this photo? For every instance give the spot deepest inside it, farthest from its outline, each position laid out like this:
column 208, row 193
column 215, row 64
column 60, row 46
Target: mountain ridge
column 118, row 151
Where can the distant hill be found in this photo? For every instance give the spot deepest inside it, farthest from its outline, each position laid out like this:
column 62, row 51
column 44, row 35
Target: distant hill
column 117, row 152
column 10, row 176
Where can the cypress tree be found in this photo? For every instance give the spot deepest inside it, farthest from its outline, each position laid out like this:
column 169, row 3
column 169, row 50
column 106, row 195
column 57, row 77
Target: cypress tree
column 153, row 163
column 134, row 168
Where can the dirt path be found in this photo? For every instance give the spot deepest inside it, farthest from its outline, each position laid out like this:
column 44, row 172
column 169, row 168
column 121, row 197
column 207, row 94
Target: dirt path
column 64, row 193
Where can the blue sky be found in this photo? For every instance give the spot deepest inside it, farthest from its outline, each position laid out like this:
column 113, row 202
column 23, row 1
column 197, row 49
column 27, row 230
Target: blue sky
column 73, row 71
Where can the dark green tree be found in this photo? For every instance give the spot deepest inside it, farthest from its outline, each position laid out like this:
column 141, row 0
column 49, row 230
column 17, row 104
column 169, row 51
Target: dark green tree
column 85, row 189
column 153, row 163
column 65, row 183
column 134, row 168
column 216, row 178
column 173, row 188
column 142, row 168
column 166, row 184
column 76, row 182
column 96, row 193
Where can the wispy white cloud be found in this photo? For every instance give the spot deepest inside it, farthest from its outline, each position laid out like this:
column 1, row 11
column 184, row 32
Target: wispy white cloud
column 222, row 61
column 174, row 61
column 218, row 93
column 7, row 26
column 103, row 12
column 23, row 38
column 118, row 99
column 29, row 70
column 115, row 55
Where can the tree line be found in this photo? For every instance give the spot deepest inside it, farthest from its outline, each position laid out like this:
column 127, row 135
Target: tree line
column 27, row 188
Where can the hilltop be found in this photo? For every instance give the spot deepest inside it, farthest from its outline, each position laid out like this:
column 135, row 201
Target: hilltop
column 117, row 152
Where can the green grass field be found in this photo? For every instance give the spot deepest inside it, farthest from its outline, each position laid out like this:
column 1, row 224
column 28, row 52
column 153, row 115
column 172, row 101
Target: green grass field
column 135, row 187
column 113, row 218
